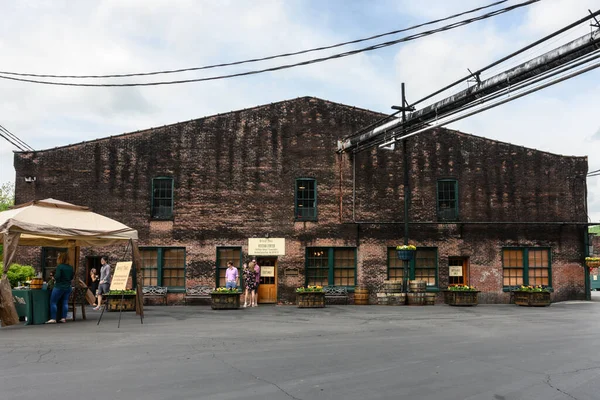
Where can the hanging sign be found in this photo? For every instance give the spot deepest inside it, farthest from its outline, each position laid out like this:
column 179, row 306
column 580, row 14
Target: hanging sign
column 456, row 270
column 266, row 246
column 121, row 275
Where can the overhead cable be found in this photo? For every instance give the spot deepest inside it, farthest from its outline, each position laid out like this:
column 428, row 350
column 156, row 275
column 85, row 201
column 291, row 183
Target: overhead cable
column 16, row 138
column 253, row 60
column 287, row 66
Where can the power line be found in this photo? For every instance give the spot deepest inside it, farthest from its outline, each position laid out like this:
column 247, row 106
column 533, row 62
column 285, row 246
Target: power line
column 16, row 138
column 287, row 66
column 11, row 142
column 253, row 60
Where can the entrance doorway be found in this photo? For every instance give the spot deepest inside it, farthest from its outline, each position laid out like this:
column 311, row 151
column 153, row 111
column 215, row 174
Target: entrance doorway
column 267, row 290
column 92, row 262
column 458, row 271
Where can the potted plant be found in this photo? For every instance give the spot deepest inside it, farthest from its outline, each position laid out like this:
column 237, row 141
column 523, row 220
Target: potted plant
column 225, row 299
column 114, row 300
column 461, row 295
column 532, row 296
column 406, row 252
column 592, row 262
column 310, row 297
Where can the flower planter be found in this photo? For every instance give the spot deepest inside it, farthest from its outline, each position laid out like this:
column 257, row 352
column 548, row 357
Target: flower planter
column 532, row 299
column 225, row 301
column 405, row 255
column 310, row 299
column 114, row 303
column 461, row 297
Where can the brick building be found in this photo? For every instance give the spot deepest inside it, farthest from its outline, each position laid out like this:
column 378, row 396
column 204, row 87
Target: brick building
column 197, row 191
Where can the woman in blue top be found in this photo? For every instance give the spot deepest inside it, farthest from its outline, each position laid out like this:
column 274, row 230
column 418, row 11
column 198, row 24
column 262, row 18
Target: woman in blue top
column 62, row 288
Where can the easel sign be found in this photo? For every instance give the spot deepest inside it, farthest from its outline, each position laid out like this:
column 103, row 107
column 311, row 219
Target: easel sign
column 121, row 275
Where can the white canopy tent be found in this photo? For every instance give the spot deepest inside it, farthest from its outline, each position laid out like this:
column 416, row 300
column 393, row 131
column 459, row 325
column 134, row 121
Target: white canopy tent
column 54, row 223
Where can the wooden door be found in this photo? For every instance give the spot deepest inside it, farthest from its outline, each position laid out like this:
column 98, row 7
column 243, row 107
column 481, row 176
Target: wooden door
column 267, row 290
column 458, row 271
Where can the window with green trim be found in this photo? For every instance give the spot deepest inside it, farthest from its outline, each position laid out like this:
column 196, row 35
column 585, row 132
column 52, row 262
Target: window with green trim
column 526, row 266
column 334, row 266
column 162, row 198
column 49, row 256
column 447, row 200
column 423, row 267
column 224, row 255
column 163, row 266
column 306, row 199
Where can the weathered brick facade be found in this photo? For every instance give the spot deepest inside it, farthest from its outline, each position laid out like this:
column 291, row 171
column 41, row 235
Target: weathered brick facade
column 234, row 177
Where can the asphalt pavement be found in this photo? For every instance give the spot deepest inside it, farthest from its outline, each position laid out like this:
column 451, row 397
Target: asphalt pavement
column 495, row 352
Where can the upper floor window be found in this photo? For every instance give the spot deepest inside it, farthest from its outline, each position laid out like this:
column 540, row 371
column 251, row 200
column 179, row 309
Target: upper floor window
column 162, row 198
column 526, row 266
column 306, row 199
column 447, row 200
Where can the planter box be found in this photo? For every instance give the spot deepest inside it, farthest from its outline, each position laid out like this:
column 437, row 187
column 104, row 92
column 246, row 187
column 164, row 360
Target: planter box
column 405, row 255
column 225, row 301
column 532, row 299
column 114, row 302
column 461, row 298
column 310, row 300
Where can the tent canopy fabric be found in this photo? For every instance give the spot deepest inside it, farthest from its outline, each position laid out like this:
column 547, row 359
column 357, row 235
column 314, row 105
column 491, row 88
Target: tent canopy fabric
column 55, row 223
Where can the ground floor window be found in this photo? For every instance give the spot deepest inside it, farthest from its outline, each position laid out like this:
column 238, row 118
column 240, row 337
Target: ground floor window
column 423, row 267
column 224, row 255
column 335, row 266
column 163, row 266
column 526, row 266
column 49, row 255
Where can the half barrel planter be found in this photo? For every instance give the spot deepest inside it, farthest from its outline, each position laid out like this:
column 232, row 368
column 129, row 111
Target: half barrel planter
column 310, row 299
column 114, row 303
column 225, row 301
column 461, row 298
column 532, row 299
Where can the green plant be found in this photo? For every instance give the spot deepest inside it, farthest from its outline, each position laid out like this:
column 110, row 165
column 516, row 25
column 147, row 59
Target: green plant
column 120, row 292
column 462, row 288
column 530, row 288
column 592, row 259
column 223, row 290
column 310, row 289
column 19, row 273
column 406, row 247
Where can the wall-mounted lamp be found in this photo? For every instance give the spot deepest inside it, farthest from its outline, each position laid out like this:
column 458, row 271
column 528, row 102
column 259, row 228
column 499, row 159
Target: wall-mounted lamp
column 30, row 179
column 267, row 235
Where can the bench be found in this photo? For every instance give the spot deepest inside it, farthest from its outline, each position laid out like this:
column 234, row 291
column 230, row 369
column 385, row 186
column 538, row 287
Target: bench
column 155, row 291
column 335, row 293
column 198, row 292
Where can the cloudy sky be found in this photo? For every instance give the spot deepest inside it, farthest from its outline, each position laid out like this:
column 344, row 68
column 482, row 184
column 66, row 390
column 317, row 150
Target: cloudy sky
column 116, row 36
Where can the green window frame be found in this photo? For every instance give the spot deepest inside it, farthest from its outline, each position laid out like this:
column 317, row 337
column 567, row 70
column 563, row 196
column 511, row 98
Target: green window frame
column 164, row 266
column 423, row 267
column 330, row 266
column 526, row 266
column 224, row 255
column 49, row 256
column 162, row 198
column 447, row 199
column 306, row 199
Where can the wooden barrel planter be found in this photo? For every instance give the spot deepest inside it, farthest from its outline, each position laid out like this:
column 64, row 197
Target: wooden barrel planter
column 392, row 286
column 361, row 296
column 532, row 299
column 430, row 299
column 225, row 301
column 461, row 297
column 310, row 299
column 114, row 303
column 36, row 283
column 382, row 299
column 416, row 299
column 396, row 299
column 418, row 286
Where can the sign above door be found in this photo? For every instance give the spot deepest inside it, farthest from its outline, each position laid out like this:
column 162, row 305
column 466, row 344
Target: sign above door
column 266, row 246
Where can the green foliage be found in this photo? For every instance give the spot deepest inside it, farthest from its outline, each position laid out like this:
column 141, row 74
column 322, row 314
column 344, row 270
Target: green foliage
column 462, row 288
column 223, row 290
column 19, row 273
column 530, row 288
column 120, row 292
column 7, row 195
column 310, row 289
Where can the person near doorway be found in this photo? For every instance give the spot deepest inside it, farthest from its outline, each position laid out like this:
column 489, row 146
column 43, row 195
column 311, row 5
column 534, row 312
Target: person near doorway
column 104, row 284
column 94, row 281
column 231, row 276
column 62, row 289
column 257, row 273
column 250, row 285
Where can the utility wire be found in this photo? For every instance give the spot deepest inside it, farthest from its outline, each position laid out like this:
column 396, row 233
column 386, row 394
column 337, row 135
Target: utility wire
column 11, row 141
column 16, row 138
column 287, row 66
column 253, row 60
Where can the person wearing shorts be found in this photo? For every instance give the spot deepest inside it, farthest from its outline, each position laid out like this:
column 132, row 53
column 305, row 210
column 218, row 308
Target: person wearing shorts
column 104, row 285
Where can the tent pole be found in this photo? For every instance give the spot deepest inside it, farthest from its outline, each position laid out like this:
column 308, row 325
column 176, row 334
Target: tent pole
column 137, row 262
column 8, row 312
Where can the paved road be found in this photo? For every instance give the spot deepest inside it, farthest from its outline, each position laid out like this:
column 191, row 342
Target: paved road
column 496, row 352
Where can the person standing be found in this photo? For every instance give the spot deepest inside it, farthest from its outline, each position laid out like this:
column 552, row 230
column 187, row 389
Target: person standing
column 62, row 288
column 257, row 273
column 231, row 276
column 104, row 284
column 250, row 285
column 94, row 280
